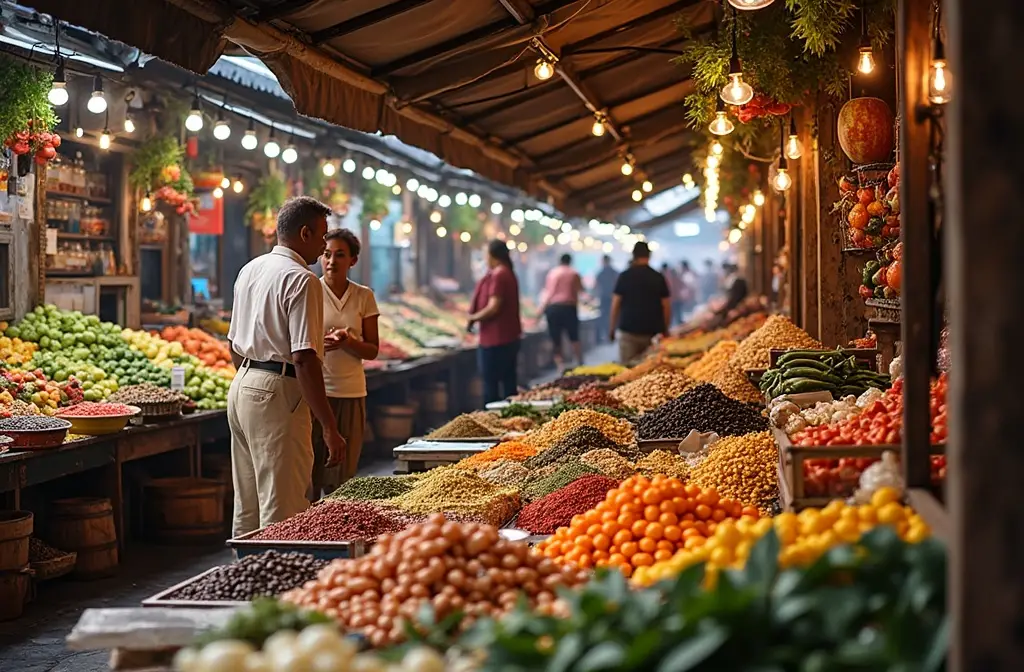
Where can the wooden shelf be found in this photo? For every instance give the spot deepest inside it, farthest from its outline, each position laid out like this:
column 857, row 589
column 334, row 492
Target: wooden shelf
column 84, row 236
column 60, row 273
column 96, row 200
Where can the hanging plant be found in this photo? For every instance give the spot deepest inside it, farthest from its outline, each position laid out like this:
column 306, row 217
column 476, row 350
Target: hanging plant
column 376, row 198
column 26, row 117
column 464, row 218
column 157, row 167
column 267, row 197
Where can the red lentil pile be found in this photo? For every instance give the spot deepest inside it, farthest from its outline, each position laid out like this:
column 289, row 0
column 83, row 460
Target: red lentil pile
column 547, row 514
column 97, row 410
column 592, row 395
column 339, row 520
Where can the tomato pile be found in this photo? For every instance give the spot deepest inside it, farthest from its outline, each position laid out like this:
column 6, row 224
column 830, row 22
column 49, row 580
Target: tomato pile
column 881, row 423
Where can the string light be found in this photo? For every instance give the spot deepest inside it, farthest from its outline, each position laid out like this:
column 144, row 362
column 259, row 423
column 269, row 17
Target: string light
column 714, row 161
column 435, row 217
column 717, row 149
column 407, row 228
column 939, row 81
column 97, row 100
column 368, row 173
column 349, row 166
column 79, row 131
column 147, row 203
column 328, row 169
column 194, row 120
column 688, row 180
column 105, row 139
column 441, row 232
column 465, row 236
column 517, row 215
column 758, row 198
column 711, row 186
column 647, row 186
column 249, row 139
column 549, row 239
column 628, row 165
column 129, row 123
column 598, row 128
column 736, row 92
column 58, row 94
column 865, row 57
column 461, row 198
column 510, row 244
column 544, row 70
column 237, row 186
column 375, row 224
column 782, row 180
column 723, row 246
column 290, row 154
column 522, row 247
column 412, row 184
column 444, row 200
column 218, row 193
column 271, row 149
column 735, row 235
column 221, row 128
column 474, row 200
column 721, row 125
column 225, row 182
column 514, row 229
column 794, row 148
column 637, row 195
column 396, row 189
column 750, row 5
column 496, row 208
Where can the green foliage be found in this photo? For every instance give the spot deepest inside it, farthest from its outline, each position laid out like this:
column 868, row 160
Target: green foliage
column 268, row 195
column 463, row 218
column 159, row 162
column 376, row 198
column 23, row 91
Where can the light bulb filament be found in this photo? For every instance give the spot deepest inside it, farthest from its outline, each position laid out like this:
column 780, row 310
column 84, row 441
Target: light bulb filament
column 866, row 61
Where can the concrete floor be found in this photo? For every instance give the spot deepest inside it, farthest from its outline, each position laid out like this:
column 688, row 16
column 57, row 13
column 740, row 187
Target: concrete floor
column 35, row 642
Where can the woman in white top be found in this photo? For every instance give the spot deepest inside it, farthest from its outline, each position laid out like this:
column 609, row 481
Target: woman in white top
column 350, row 320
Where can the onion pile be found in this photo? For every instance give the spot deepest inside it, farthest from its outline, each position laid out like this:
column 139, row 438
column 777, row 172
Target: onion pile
column 454, row 566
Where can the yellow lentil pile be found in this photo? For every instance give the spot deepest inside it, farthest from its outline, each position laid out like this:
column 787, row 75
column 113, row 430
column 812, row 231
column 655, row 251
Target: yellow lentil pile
column 608, row 462
column 734, row 384
column 506, row 473
column 663, row 462
column 462, row 427
column 648, row 392
column 605, row 370
column 462, row 492
column 707, row 367
column 743, row 467
column 619, row 431
column 776, row 332
column 509, row 450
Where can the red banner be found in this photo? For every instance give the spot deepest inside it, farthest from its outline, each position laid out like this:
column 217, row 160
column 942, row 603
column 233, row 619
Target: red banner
column 210, row 219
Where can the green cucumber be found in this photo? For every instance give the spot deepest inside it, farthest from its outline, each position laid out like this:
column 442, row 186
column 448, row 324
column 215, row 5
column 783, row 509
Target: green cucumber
column 798, row 354
column 797, row 385
column 815, row 374
column 812, row 363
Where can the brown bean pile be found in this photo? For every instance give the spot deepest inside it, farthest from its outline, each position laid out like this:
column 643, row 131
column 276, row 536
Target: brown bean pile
column 462, row 427
column 618, row 430
column 338, row 520
column 707, row 367
column 38, row 551
column 735, row 385
column 577, row 442
column 650, row 391
column 146, row 393
column 777, row 332
column 608, row 462
column 453, row 567
column 663, row 462
column 744, row 468
column 266, row 574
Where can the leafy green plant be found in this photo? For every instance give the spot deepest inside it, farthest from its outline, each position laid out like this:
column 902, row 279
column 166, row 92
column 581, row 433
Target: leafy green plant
column 463, row 218
column 376, row 198
column 23, row 91
column 159, row 162
column 268, row 195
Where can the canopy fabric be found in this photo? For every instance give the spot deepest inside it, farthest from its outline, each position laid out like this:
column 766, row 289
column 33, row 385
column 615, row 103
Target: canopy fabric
column 456, row 77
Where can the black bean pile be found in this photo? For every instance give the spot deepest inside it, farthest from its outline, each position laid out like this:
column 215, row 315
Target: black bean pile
column 146, row 393
column 574, row 382
column 575, row 443
column 27, row 423
column 267, row 574
column 705, row 409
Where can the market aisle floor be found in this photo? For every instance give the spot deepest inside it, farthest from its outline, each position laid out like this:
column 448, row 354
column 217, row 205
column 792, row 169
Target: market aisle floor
column 35, row 642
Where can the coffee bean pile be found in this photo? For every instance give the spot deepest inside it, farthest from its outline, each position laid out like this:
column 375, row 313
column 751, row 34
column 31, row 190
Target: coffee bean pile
column 705, row 409
column 267, row 574
column 575, row 443
column 31, row 423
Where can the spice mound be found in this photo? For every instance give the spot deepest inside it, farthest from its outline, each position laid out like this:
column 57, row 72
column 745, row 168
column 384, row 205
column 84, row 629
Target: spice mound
column 735, row 384
column 705, row 409
column 619, row 431
column 337, row 520
column 592, row 395
column 577, row 442
column 267, row 574
column 92, row 409
column 663, row 462
column 542, row 393
column 146, row 393
column 366, row 488
column 462, row 427
column 509, row 450
column 650, row 391
column 458, row 490
column 565, row 474
column 743, row 468
column 557, row 509
column 707, row 367
column 608, row 462
column 506, row 473
column 777, row 332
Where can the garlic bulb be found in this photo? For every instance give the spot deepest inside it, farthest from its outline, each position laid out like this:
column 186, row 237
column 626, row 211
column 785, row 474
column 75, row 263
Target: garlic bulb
column 885, row 473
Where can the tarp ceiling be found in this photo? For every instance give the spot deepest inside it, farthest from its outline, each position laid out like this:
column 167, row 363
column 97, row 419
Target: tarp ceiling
column 456, row 77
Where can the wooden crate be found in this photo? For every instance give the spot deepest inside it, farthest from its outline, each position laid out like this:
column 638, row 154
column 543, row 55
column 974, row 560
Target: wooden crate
column 164, row 599
column 324, row 550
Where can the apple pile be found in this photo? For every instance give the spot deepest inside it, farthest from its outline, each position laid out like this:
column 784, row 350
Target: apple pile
column 38, row 141
column 874, row 212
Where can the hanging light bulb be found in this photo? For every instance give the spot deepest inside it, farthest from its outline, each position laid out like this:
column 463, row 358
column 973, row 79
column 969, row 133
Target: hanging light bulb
column 271, row 149
column 865, row 57
column 544, row 70
column 627, row 165
column 940, row 83
column 713, row 161
column 105, row 139
column 98, row 100
column 221, row 128
column 782, row 180
column 249, row 140
column 474, row 200
column 290, row 154
column 721, row 125
column 736, row 92
column 237, row 186
column 717, row 149
column 598, row 128
column 412, row 184
column 375, row 224
column 147, row 203
column 349, row 166
column 496, row 208
column 328, row 169
column 407, row 228
column 461, row 198
column 514, row 229
column 444, row 200
column 79, row 131
column 368, row 173
column 637, row 195
column 794, row 148
column 225, row 182
column 441, row 232
column 465, row 236
column 218, row 193
column 735, row 235
column 194, row 120
column 647, row 186
column 129, row 123
column 758, row 198
column 58, row 95
column 396, row 189
column 435, row 217
column 749, row 5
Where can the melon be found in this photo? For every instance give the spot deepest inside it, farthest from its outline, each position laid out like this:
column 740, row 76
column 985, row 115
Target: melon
column 866, row 130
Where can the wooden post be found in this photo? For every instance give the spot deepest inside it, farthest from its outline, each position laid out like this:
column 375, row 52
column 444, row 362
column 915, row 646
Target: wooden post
column 805, row 249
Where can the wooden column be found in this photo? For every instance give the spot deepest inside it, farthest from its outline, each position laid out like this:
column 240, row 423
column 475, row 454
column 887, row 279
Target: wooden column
column 805, row 249
column 983, row 243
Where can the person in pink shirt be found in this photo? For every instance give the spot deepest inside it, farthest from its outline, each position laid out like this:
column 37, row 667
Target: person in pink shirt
column 558, row 303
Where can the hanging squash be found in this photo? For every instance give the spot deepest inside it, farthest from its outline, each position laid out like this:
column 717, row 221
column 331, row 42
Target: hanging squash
column 866, row 130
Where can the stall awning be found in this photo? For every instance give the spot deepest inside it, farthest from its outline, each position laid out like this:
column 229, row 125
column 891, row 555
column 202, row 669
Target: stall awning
column 456, row 78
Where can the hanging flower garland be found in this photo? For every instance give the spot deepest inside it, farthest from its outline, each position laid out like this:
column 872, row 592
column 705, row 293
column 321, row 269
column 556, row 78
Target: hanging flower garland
column 158, row 168
column 265, row 199
column 26, row 117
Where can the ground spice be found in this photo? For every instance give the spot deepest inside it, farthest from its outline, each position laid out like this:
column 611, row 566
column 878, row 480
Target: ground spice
column 458, row 490
column 506, row 473
column 509, row 450
column 374, row 487
column 663, row 462
column 489, row 420
column 608, row 462
column 461, row 427
column 338, row 520
column 557, row 509
column 619, row 431
column 566, row 474
column 577, row 442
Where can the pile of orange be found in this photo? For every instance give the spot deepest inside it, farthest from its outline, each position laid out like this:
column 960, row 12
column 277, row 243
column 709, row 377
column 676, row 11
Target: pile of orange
column 641, row 522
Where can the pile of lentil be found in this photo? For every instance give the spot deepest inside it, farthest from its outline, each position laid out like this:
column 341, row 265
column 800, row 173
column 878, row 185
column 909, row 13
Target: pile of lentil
column 648, row 392
column 577, row 442
column 509, row 450
column 743, row 468
column 608, row 462
column 556, row 510
column 735, row 384
column 707, row 367
column 450, row 489
column 618, row 430
column 491, row 421
column 705, row 409
column 462, row 427
column 338, row 520
column 266, row 574
column 566, row 473
column 593, row 395
column 663, row 462
column 776, row 332
column 365, row 488
column 624, row 412
column 505, row 473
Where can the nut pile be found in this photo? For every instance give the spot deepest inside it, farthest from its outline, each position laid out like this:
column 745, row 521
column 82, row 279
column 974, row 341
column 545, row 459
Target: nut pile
column 462, row 427
column 743, row 468
column 565, row 474
column 642, row 369
column 270, row 573
column 31, row 423
column 18, row 407
column 619, row 431
column 577, row 442
column 450, row 489
column 453, row 566
column 574, row 382
column 556, row 510
column 146, row 393
column 365, row 488
column 777, row 332
column 491, row 421
column 707, row 367
column 648, row 392
column 608, row 462
column 38, row 551
column 663, row 462
column 705, row 409
column 337, row 520
column 735, row 384
column 542, row 393
column 505, row 473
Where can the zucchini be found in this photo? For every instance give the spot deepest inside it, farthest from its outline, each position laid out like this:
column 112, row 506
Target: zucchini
column 814, row 374
column 798, row 354
column 812, row 363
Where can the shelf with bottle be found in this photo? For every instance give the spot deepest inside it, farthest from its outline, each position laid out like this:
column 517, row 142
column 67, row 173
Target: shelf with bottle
column 68, row 177
column 72, row 258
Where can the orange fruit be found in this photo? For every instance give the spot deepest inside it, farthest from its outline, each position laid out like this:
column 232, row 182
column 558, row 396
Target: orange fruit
column 703, row 511
column 651, row 513
column 617, row 559
column 718, row 515
column 655, row 531
column 673, row 533
column 593, row 530
column 609, row 516
column 751, row 511
column 652, row 496
column 585, row 561
column 647, row 545
column 642, row 560
column 638, row 528
column 692, row 491
column 694, row 542
column 665, row 545
column 621, row 537
column 585, row 542
column 599, row 556
column 708, row 496
column 602, row 542
column 626, row 520
column 629, row 548
column 668, row 519
column 661, row 555
column 610, row 527
column 691, row 532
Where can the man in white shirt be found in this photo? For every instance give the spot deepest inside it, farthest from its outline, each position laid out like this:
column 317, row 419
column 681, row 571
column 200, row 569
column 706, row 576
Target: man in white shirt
column 277, row 344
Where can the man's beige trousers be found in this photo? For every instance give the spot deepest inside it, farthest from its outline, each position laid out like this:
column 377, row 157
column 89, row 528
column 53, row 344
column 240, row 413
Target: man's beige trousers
column 271, row 448
column 631, row 346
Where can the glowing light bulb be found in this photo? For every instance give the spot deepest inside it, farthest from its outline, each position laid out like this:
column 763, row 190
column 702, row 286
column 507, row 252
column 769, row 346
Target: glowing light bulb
column 543, row 70
column 735, row 235
column 249, row 140
column 413, row 184
column 368, row 173
column 647, row 186
column 687, row 179
column 750, row 5
column 794, row 148
column 865, row 60
column 97, row 100
column 105, row 139
column 713, row 161
column 381, row 176
column 461, row 198
column 194, row 120
column 58, row 94
column 441, row 232
column 758, row 198
column 721, row 125
column 272, row 150
column 444, row 200
column 375, row 224
column 723, row 246
column 716, row 148
column 435, row 217
column 637, row 195
column 474, row 200
column 79, row 131
column 496, row 208
column 218, row 192
column 549, row 239
column 329, row 169
column 396, row 190
column 514, row 229
column 510, row 244
column 147, row 203
column 737, row 92
column 782, row 180
column 598, row 128
column 939, row 83
column 290, row 154
column 627, row 168
column 518, row 215
column 522, row 247
column 129, row 124
column 465, row 236
column 237, row 186
column 221, row 129
column 349, row 166
column 225, row 182
column 407, row 228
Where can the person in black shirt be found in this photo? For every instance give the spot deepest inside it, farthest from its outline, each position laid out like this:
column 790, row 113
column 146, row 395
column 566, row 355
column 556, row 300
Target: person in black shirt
column 641, row 306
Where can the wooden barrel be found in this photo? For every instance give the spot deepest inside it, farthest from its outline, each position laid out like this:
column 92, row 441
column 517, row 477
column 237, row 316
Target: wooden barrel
column 185, row 510
column 15, row 529
column 14, row 592
column 393, row 423
column 85, row 525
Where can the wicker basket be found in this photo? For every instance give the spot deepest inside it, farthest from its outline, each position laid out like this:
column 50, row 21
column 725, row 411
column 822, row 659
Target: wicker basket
column 160, row 410
column 52, row 569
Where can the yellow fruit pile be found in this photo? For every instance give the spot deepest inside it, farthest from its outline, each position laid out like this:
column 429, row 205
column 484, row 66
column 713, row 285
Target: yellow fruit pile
column 15, row 351
column 804, row 537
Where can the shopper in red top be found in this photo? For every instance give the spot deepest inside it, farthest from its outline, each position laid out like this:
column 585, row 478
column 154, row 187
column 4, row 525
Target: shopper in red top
column 496, row 307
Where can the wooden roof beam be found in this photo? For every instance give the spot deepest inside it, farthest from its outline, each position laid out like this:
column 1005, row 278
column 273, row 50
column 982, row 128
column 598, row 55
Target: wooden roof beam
column 638, row 22
column 365, row 20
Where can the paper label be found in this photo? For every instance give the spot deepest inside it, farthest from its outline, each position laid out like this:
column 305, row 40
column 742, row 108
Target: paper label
column 178, row 378
column 51, row 241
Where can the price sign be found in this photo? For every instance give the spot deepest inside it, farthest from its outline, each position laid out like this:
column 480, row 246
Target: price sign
column 178, row 378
